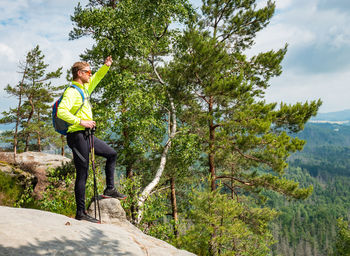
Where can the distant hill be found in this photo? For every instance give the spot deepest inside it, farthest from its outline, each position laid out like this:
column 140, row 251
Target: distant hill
column 325, row 134
column 343, row 115
column 327, row 149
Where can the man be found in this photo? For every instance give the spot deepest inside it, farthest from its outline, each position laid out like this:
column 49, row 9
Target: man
column 77, row 139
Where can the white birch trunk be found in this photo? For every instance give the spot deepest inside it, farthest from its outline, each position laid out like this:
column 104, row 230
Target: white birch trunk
column 148, row 189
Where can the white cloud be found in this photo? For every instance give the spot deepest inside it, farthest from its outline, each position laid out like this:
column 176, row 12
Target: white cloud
column 8, row 52
column 27, row 23
column 280, row 4
column 10, row 9
column 294, row 87
column 276, row 36
column 317, row 61
column 283, row 4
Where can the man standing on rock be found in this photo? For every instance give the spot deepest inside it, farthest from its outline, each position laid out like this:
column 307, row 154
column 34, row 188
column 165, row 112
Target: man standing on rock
column 77, row 139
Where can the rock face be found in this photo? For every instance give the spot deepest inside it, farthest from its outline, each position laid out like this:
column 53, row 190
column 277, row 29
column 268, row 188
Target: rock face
column 111, row 211
column 36, row 163
column 34, row 232
column 22, row 176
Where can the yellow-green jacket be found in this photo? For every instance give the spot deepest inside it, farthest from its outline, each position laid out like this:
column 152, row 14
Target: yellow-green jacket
column 72, row 100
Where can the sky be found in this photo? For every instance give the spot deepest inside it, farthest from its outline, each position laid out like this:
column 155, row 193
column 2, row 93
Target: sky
column 316, row 66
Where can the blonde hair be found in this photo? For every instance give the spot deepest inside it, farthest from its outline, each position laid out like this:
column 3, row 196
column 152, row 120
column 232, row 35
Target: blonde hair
column 78, row 66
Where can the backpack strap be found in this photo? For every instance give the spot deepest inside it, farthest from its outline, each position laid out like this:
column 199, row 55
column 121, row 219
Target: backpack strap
column 82, row 95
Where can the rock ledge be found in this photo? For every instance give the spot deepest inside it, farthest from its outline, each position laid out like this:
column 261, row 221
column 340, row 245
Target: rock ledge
column 34, row 232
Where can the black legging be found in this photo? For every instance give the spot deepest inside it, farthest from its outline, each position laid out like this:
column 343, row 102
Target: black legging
column 80, row 145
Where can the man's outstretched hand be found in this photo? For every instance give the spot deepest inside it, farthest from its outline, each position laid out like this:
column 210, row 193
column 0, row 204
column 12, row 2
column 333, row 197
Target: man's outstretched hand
column 108, row 61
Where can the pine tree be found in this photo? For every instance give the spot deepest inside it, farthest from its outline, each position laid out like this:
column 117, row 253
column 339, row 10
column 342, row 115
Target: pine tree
column 35, row 95
column 342, row 246
column 240, row 130
column 238, row 229
column 39, row 95
column 246, row 140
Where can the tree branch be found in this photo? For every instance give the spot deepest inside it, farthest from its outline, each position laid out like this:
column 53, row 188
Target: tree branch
column 235, row 179
column 158, row 190
column 233, row 190
column 251, row 157
column 202, row 97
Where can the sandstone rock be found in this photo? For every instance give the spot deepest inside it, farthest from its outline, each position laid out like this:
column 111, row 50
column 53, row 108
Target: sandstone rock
column 35, row 158
column 22, row 176
column 33, row 232
column 111, row 211
column 37, row 164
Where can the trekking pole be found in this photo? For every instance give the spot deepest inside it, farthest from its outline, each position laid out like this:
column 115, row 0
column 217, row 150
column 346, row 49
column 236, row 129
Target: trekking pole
column 92, row 149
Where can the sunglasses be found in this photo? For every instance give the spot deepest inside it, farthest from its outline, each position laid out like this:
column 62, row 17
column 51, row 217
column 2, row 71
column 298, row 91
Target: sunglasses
column 86, row 71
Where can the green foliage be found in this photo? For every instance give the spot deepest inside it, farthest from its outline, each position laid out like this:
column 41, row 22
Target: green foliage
column 223, row 91
column 155, row 221
column 10, row 190
column 309, row 227
column 133, row 102
column 27, row 199
column 16, row 189
column 59, row 194
column 326, row 152
column 130, row 187
column 343, row 238
column 220, row 225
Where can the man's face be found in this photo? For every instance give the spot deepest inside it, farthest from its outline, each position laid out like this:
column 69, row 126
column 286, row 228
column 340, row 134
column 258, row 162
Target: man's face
column 84, row 74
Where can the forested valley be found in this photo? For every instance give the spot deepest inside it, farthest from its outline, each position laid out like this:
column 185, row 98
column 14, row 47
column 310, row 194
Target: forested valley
column 309, row 227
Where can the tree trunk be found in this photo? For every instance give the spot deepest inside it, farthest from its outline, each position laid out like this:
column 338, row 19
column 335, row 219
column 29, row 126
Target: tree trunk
column 174, row 206
column 211, row 145
column 171, row 134
column 128, row 163
column 39, row 142
column 213, row 248
column 27, row 143
column 28, row 121
column 129, row 160
column 38, row 134
column 18, row 113
column 232, row 186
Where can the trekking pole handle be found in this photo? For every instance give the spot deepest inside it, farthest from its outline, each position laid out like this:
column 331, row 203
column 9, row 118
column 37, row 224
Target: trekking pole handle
column 90, row 131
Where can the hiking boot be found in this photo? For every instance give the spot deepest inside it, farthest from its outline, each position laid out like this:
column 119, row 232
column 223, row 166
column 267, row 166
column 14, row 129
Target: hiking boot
column 112, row 192
column 84, row 216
